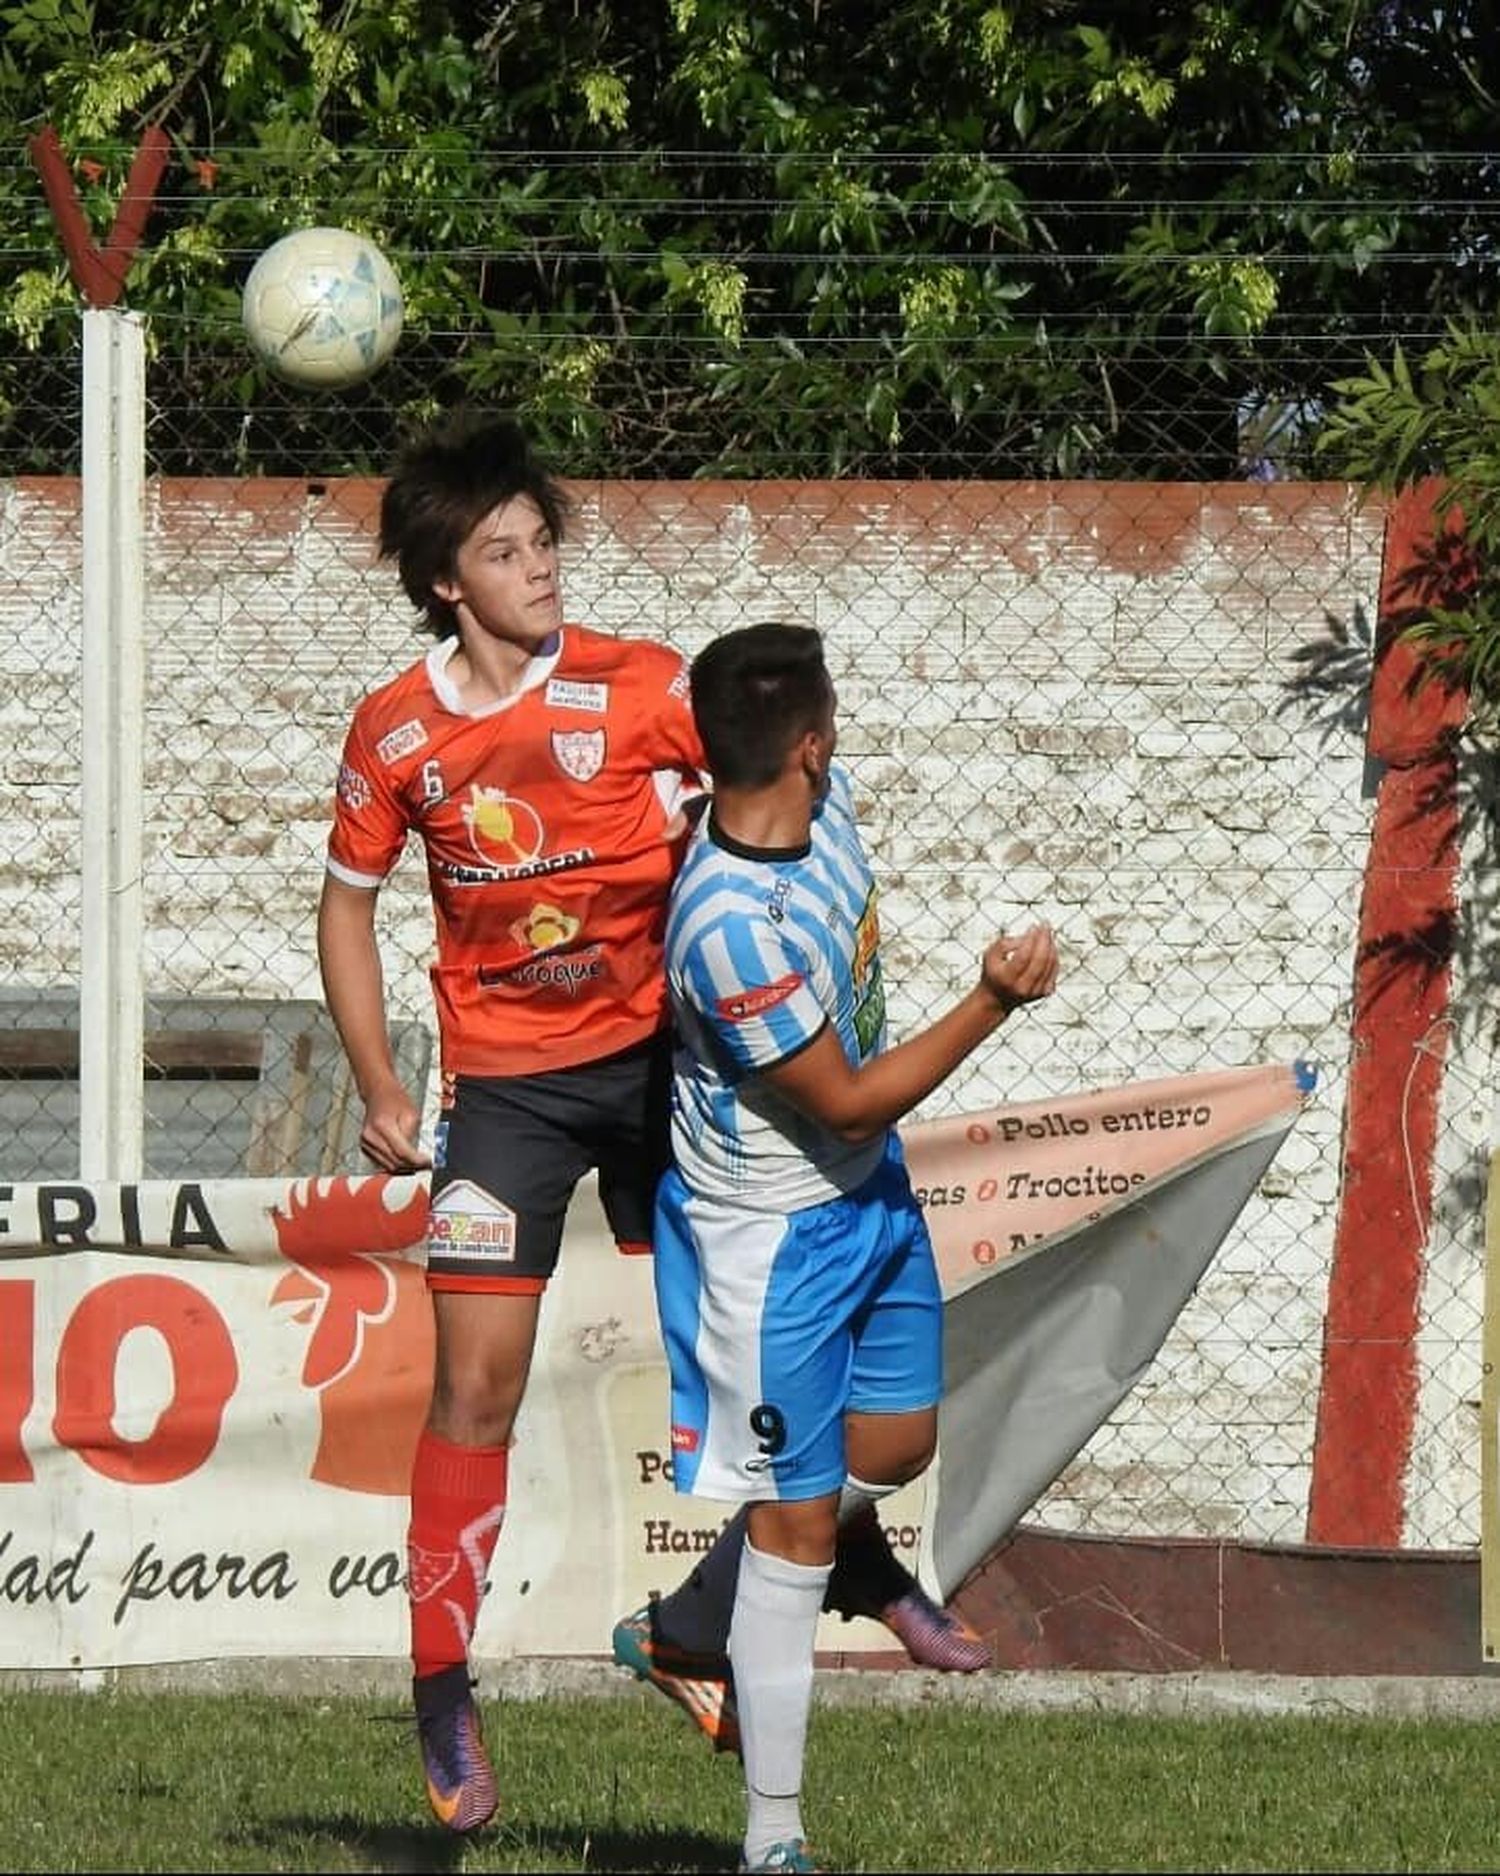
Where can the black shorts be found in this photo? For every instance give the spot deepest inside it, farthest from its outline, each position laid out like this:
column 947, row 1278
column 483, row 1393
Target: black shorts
column 509, row 1153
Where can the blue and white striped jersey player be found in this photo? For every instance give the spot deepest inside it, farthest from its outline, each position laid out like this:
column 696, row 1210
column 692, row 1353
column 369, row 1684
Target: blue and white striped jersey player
column 795, row 1278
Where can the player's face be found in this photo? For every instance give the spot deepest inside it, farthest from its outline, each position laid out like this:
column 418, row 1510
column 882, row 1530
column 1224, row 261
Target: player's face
column 506, row 579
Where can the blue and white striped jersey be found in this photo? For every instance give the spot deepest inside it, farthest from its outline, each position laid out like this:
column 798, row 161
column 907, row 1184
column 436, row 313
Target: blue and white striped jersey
column 763, row 949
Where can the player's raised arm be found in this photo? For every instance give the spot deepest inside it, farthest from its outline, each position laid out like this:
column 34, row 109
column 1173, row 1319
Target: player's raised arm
column 859, row 1103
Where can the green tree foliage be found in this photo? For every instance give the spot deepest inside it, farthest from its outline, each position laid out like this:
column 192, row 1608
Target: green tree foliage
column 922, row 237
column 1402, row 422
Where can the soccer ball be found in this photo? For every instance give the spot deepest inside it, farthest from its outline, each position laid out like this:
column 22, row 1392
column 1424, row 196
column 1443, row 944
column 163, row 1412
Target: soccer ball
column 323, row 307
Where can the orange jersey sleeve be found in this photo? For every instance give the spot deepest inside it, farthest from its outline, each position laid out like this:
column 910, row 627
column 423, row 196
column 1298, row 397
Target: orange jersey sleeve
column 552, row 826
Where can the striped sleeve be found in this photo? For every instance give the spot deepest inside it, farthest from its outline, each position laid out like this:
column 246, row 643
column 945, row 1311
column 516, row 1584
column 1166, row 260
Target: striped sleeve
column 751, row 987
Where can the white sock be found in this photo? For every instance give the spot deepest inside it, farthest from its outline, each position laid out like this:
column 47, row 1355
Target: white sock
column 772, row 1638
column 857, row 1496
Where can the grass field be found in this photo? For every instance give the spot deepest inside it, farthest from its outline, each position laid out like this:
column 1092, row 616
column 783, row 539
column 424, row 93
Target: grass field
column 166, row 1781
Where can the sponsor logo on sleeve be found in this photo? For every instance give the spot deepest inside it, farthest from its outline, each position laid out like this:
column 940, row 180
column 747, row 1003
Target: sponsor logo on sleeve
column 354, row 790
column 579, row 753
column 401, row 741
column 745, row 1005
column 468, row 1223
column 569, row 694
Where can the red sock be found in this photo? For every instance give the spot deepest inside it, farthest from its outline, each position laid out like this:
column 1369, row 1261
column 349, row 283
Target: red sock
column 457, row 1508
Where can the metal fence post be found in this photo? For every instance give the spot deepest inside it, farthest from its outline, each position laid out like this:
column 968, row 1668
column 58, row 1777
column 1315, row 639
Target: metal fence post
column 111, row 1009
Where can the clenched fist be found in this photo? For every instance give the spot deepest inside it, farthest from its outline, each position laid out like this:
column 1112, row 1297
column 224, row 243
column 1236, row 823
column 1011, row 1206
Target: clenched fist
column 1020, row 969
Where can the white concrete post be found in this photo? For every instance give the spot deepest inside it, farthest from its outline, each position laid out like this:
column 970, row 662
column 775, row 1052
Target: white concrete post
column 111, row 978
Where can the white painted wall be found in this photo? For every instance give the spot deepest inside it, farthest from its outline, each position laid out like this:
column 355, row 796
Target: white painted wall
column 1072, row 701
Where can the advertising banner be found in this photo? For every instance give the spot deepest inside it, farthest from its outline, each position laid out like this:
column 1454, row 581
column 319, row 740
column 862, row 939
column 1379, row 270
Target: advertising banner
column 210, row 1392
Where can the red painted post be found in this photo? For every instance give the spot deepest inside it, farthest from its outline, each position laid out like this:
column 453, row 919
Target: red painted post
column 99, row 275
column 1403, row 956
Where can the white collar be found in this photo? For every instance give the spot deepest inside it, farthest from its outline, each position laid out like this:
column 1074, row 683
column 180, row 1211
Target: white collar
column 538, row 669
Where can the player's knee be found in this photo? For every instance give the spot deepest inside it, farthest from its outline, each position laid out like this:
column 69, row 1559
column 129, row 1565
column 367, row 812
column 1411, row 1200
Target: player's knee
column 474, row 1406
column 916, row 1463
column 803, row 1531
column 900, row 1468
column 890, row 1450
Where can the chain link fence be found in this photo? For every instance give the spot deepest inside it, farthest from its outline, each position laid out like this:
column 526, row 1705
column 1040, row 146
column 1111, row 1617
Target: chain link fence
column 1119, row 684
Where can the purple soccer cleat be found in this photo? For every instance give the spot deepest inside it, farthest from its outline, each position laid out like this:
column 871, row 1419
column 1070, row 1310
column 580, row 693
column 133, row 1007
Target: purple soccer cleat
column 935, row 1637
column 460, row 1779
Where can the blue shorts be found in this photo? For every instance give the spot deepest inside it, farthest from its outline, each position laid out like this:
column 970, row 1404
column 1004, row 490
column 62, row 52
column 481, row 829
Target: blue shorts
column 778, row 1324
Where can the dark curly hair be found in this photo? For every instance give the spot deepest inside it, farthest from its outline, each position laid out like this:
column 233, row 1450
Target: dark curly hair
column 445, row 481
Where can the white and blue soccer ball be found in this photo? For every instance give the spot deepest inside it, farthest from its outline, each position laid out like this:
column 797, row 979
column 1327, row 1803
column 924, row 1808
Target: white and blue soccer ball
column 323, row 307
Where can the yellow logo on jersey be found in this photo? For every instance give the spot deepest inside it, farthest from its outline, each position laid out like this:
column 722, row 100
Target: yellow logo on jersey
column 502, row 828
column 545, row 927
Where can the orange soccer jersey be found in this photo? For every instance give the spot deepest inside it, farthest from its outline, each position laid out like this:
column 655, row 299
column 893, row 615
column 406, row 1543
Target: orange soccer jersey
column 552, row 824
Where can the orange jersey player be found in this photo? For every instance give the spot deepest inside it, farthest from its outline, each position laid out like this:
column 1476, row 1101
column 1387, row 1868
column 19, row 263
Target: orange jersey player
column 552, row 823
column 545, row 769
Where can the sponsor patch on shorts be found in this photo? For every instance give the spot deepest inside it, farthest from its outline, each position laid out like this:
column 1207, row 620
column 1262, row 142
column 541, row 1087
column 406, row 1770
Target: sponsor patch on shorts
column 469, row 1223
column 684, row 1439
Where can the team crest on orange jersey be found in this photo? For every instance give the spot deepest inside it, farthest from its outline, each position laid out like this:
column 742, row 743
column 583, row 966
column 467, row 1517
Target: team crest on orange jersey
column 579, row 753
